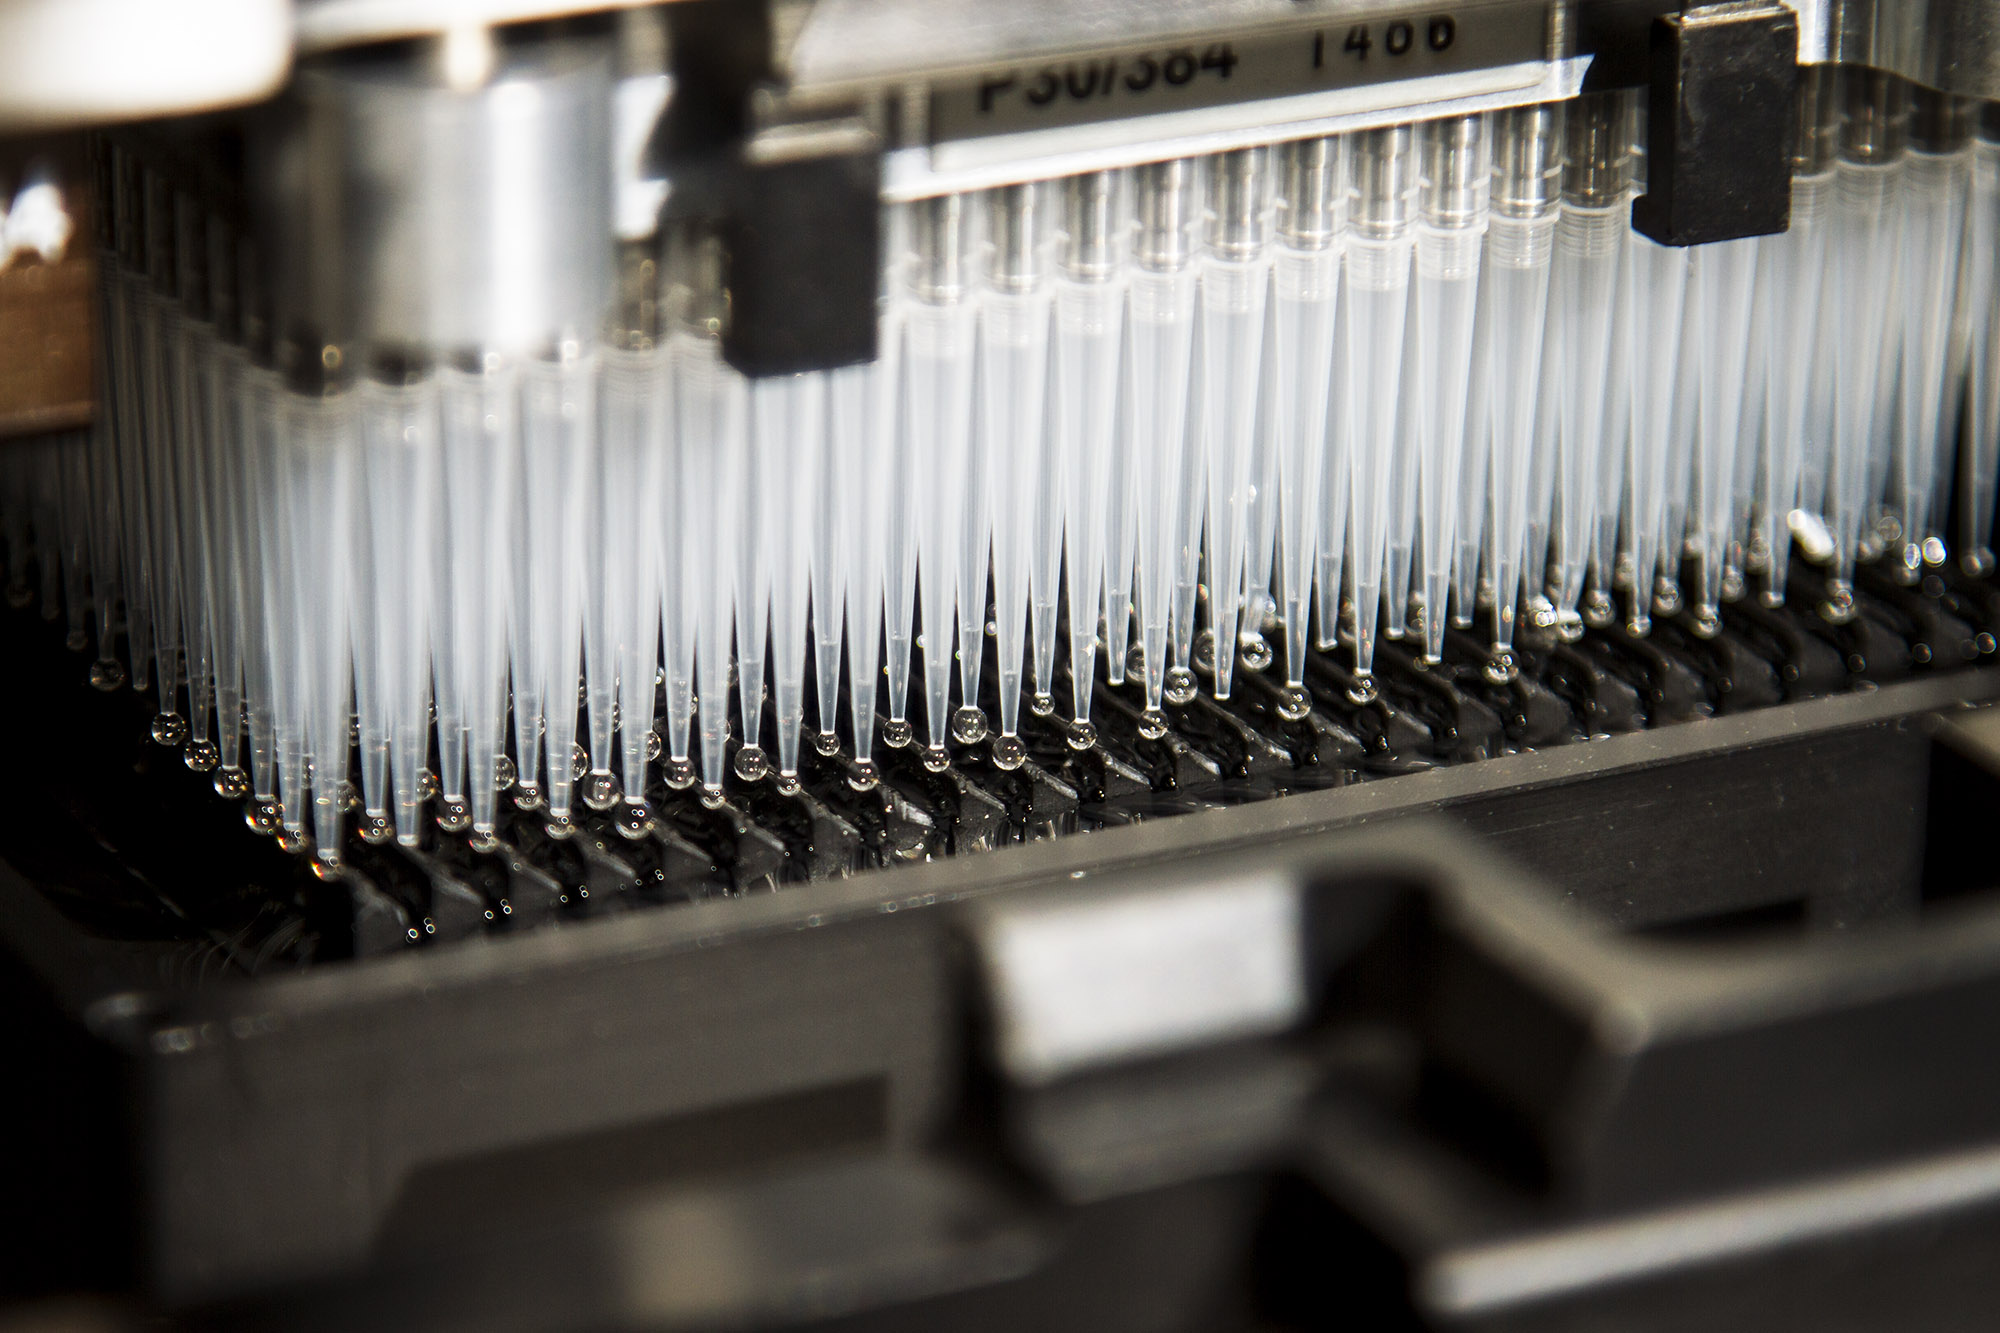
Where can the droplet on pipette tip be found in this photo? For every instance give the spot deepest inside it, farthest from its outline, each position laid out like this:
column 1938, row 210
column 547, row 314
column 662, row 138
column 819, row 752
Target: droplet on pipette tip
column 864, row 776
column 1254, row 651
column 655, row 746
column 1204, row 651
column 1042, row 705
column 505, row 772
column 1009, row 753
column 262, row 817
column 1977, row 561
column 1180, row 686
column 20, row 596
column 752, row 765
column 635, row 821
column 1569, row 626
column 347, row 796
column 1933, row 551
column 827, row 743
column 291, row 840
column 1598, row 610
column 936, row 758
column 968, row 725
column 897, row 733
column 483, row 840
column 454, row 816
column 1153, row 724
column 169, row 728
column 1705, row 623
column 201, row 756
column 1666, row 597
column 231, row 784
column 1364, row 689
column 427, row 785
column 787, row 784
column 678, row 774
column 528, row 797
column 560, row 827
column 1734, row 585
column 1135, row 659
column 711, row 796
column 375, row 828
column 1838, row 608
column 76, row 641
column 1080, row 735
column 327, row 866
column 600, row 791
column 1502, row 666
column 1639, row 624
column 1294, row 703
column 579, row 762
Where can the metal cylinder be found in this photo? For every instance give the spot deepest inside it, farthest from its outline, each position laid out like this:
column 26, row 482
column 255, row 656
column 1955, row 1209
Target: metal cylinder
column 938, row 243
column 1164, row 235
column 1875, row 116
column 1013, row 215
column 1236, row 225
column 1940, row 122
column 1818, row 141
column 1090, row 222
column 1456, row 172
column 1385, row 180
column 1312, row 194
column 1527, row 161
column 412, row 213
column 1599, row 133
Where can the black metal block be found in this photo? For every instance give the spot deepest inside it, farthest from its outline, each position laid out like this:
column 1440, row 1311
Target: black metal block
column 1723, row 103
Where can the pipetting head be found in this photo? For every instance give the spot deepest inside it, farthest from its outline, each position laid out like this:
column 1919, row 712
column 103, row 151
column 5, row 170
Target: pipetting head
column 940, row 242
column 1599, row 167
column 1312, row 193
column 1455, row 171
column 1940, row 122
column 1236, row 221
column 1015, row 247
column 1093, row 226
column 1382, row 181
column 1163, row 232
column 1816, row 143
column 1875, row 116
column 1527, row 161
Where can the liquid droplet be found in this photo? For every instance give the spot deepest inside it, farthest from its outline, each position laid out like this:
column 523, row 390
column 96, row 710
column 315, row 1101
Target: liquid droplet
column 454, row 816
column 751, row 764
column 635, row 821
column 1294, row 703
column 678, row 774
column 1204, row 651
column 232, row 784
column 787, row 784
column 201, row 756
column 20, row 596
column 560, row 827
column 1977, row 562
column 347, row 796
column 936, row 758
column 1080, row 735
column 1152, row 724
column 1180, row 686
column 292, row 840
column 600, row 791
column 897, row 733
column 968, row 726
column 1666, row 597
column 1734, row 585
column 1639, row 624
column 528, row 797
column 1598, row 609
column 1502, row 667
column 655, row 746
column 170, row 728
column 505, row 772
column 579, row 763
column 76, row 641
column 1009, row 753
column 1254, row 651
column 1135, row 660
column 328, row 867
column 427, row 785
column 1364, row 690
column 483, row 841
column 1707, row 624
column 375, row 829
column 1042, row 705
column 827, row 743
column 864, row 777
column 1838, row 608
column 262, row 817
column 107, row 674
column 711, row 797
